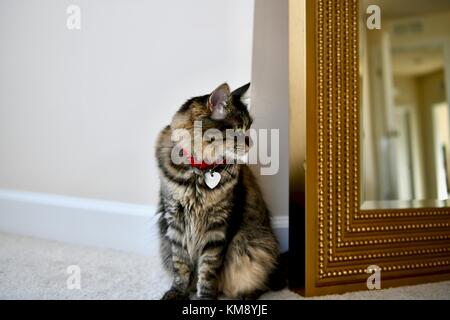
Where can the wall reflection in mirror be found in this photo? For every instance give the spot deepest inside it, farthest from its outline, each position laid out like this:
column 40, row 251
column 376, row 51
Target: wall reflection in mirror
column 405, row 81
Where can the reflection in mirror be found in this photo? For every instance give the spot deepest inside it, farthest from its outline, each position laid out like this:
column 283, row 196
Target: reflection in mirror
column 405, row 74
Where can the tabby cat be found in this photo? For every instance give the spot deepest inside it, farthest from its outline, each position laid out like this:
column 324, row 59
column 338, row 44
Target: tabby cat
column 214, row 239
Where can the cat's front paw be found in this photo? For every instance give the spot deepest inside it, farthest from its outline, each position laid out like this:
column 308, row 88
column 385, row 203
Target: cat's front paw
column 174, row 294
column 204, row 297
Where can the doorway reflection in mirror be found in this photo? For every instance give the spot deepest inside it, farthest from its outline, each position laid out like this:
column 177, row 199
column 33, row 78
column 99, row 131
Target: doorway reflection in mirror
column 405, row 74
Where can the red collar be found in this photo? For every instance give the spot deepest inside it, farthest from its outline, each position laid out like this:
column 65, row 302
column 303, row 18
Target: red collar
column 199, row 165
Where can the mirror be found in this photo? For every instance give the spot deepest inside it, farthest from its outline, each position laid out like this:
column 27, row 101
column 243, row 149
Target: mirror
column 405, row 85
column 377, row 143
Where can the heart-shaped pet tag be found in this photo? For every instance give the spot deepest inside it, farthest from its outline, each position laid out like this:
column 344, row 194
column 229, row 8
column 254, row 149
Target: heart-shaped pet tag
column 212, row 179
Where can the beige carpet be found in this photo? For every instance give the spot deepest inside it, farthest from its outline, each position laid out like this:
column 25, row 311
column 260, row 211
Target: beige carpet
column 37, row 269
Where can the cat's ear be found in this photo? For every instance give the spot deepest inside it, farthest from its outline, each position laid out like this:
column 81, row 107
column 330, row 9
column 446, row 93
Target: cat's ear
column 244, row 94
column 217, row 102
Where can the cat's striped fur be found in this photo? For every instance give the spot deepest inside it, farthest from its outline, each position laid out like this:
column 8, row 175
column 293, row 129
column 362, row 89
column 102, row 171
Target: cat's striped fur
column 213, row 240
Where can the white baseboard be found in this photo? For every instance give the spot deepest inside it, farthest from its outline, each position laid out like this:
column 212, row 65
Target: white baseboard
column 82, row 221
column 280, row 225
column 116, row 225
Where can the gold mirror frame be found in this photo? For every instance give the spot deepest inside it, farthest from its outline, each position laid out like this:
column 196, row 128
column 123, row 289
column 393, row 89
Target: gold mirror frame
column 409, row 245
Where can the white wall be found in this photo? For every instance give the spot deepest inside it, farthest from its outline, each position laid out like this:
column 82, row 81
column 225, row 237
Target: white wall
column 270, row 93
column 80, row 110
